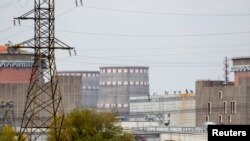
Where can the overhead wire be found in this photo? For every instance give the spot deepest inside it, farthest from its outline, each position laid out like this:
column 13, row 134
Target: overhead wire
column 153, row 35
column 165, row 13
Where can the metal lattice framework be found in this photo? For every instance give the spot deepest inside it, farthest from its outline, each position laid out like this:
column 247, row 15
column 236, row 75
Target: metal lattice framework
column 43, row 109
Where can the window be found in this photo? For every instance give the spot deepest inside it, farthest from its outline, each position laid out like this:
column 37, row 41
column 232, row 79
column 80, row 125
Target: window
column 131, row 82
column 125, row 105
column 229, row 119
column 220, row 94
column 141, row 83
column 119, row 105
column 136, row 83
column 141, row 70
column 108, row 83
column 136, row 70
column 220, row 118
column 119, row 83
column 114, row 83
column 114, row 70
column 125, row 82
column 209, row 107
column 225, row 107
column 119, row 70
column 207, row 118
column 233, row 107
column 131, row 70
column 108, row 70
column 125, row 70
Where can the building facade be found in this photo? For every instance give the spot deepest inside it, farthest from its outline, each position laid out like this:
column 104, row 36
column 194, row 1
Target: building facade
column 222, row 103
column 71, row 90
column 174, row 110
column 89, row 88
column 15, row 71
column 117, row 84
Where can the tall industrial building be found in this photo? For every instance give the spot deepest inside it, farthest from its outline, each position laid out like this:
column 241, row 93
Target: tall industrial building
column 117, row 84
column 15, row 70
column 71, row 90
column 173, row 110
column 222, row 103
column 89, row 81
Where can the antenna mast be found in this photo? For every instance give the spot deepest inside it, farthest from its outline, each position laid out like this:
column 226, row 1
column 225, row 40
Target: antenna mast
column 226, row 72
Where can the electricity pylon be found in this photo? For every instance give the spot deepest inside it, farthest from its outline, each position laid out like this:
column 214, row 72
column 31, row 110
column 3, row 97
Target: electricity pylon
column 43, row 110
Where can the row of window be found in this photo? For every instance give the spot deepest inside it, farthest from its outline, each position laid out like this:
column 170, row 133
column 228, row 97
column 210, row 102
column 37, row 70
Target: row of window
column 112, row 105
column 118, row 83
column 90, row 87
column 232, row 107
column 220, row 119
column 120, row 70
column 79, row 74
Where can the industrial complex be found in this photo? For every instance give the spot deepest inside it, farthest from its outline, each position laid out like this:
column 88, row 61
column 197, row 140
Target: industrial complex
column 124, row 90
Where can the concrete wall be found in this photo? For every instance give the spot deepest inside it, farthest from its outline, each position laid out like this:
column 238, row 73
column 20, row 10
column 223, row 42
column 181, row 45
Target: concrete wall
column 117, row 84
column 16, row 93
column 178, row 109
column 183, row 137
column 222, row 98
column 71, row 88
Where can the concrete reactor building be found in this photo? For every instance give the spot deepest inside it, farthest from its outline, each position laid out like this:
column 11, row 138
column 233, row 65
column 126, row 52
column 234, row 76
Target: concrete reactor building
column 89, row 81
column 118, row 84
column 15, row 70
column 222, row 103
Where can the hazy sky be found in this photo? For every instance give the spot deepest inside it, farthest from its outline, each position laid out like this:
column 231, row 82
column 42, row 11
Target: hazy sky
column 180, row 40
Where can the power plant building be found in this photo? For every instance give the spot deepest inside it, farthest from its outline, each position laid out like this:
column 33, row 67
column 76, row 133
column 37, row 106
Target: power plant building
column 222, row 103
column 173, row 110
column 89, row 81
column 118, row 84
column 15, row 70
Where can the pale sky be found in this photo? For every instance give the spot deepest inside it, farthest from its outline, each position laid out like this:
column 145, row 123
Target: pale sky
column 180, row 40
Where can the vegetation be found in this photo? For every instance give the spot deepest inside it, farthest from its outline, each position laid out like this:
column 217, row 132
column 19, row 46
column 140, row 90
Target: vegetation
column 89, row 125
column 7, row 133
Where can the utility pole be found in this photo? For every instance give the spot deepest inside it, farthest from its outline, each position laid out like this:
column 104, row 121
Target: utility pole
column 43, row 110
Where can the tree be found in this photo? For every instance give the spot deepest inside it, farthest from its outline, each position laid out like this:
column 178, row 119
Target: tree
column 89, row 125
column 7, row 133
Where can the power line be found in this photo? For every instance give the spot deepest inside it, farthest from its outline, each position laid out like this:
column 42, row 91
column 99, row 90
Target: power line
column 164, row 13
column 153, row 35
column 29, row 27
column 8, row 4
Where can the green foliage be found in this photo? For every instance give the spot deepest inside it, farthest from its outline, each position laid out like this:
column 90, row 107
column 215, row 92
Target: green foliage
column 89, row 125
column 7, row 133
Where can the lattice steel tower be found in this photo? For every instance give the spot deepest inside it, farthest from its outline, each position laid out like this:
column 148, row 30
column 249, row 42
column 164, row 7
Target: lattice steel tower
column 44, row 101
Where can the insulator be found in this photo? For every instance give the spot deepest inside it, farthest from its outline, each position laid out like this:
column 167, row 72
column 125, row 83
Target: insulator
column 81, row 2
column 76, row 3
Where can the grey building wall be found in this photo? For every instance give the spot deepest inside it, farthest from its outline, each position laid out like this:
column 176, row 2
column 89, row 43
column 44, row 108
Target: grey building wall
column 16, row 93
column 117, row 84
column 89, row 88
column 71, row 89
column 222, row 98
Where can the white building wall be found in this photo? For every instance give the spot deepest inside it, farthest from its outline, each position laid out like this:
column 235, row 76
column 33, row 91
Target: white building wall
column 183, row 137
column 179, row 109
